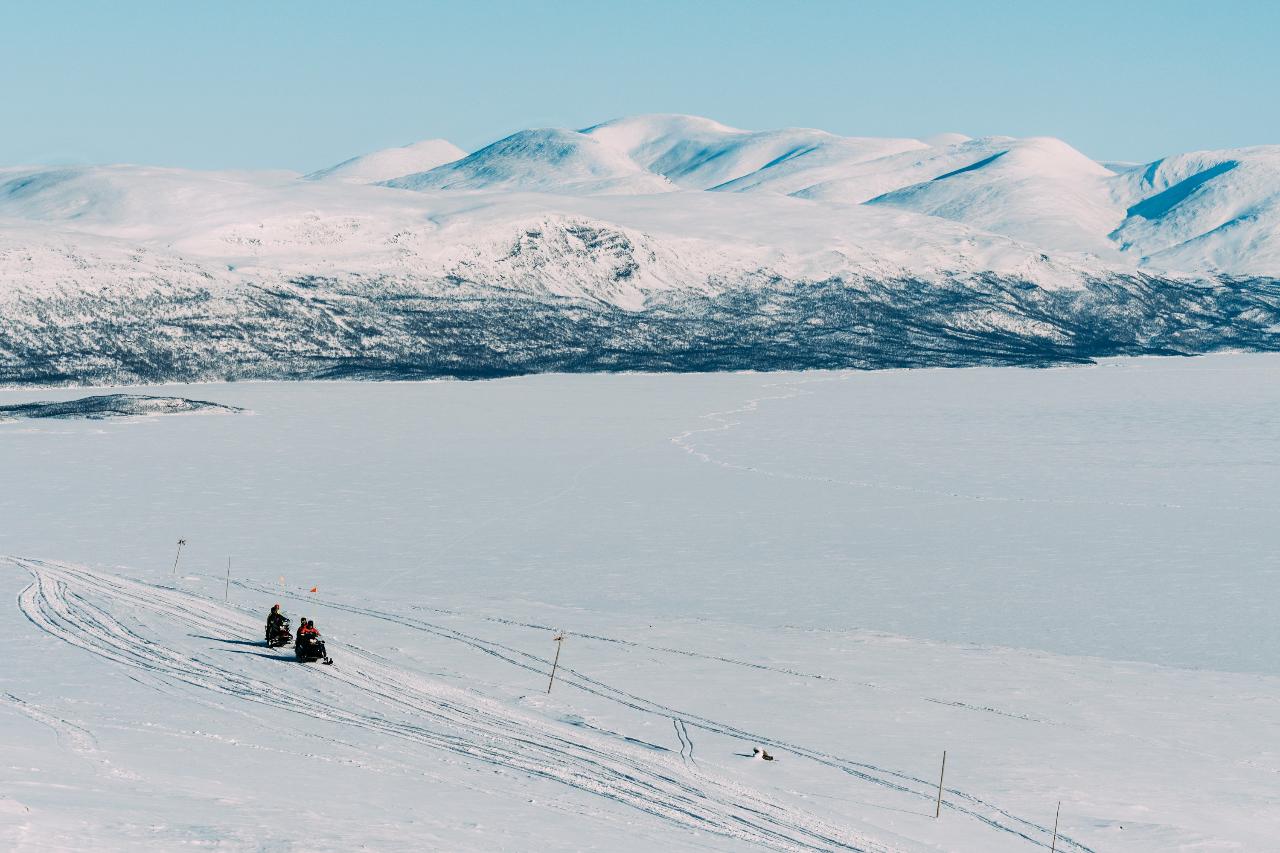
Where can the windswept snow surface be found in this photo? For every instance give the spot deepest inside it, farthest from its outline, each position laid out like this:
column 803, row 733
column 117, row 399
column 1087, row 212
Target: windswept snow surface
column 1062, row 577
column 646, row 243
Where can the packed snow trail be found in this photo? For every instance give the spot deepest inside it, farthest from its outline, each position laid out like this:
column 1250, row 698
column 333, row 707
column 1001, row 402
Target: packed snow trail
column 74, row 604
column 954, row 800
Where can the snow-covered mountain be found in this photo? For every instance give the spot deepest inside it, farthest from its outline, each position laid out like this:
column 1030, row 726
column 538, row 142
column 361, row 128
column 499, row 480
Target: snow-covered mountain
column 547, row 160
column 391, row 162
column 1207, row 210
column 701, row 154
column 1041, row 191
column 651, row 242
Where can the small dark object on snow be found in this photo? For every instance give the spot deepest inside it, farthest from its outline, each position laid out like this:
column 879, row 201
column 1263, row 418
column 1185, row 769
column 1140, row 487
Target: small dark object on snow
column 757, row 752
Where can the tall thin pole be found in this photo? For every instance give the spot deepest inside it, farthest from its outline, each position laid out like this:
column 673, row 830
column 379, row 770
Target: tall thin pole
column 937, row 812
column 559, row 638
column 1054, row 848
column 181, row 542
column 226, row 596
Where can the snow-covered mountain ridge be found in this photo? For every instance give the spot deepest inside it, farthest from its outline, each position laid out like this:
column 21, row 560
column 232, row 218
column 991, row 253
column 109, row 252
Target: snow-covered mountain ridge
column 652, row 242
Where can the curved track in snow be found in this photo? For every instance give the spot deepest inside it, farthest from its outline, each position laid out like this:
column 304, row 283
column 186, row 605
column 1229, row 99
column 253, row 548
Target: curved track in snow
column 954, row 800
column 83, row 608
column 730, row 419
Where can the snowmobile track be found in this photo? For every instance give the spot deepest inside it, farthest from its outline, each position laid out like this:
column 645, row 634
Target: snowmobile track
column 954, row 799
column 80, row 606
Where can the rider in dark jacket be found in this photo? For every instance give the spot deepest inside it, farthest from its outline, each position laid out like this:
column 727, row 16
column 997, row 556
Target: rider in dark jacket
column 277, row 625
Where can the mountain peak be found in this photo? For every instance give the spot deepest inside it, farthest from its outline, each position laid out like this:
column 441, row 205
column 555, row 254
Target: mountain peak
column 391, row 162
column 541, row 159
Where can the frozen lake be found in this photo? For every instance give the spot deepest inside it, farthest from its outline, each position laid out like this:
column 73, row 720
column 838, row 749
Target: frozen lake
column 1125, row 511
column 856, row 571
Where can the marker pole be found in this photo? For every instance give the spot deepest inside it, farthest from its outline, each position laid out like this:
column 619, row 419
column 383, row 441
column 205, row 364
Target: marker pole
column 559, row 638
column 937, row 812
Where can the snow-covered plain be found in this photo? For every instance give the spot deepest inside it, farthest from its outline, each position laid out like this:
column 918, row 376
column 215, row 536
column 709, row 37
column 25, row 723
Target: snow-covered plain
column 1062, row 577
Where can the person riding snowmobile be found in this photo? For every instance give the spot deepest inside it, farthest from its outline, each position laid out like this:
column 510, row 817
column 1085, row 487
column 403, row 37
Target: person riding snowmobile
column 309, row 646
column 277, row 627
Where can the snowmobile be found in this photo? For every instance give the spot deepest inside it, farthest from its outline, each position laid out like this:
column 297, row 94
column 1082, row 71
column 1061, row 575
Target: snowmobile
column 310, row 650
column 282, row 635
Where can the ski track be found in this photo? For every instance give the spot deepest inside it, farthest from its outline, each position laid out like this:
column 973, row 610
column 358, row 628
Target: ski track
column 988, row 710
column 364, row 692
column 686, row 742
column 71, row 735
column 718, row 658
column 731, row 418
column 958, row 801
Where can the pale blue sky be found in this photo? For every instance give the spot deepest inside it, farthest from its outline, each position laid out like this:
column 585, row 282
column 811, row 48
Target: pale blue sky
column 304, row 84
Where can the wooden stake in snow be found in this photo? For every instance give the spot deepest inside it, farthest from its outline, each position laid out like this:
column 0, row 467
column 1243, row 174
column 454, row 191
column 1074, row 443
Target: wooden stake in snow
column 1054, row 848
column 226, row 595
column 937, row 812
column 559, row 638
column 181, row 542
